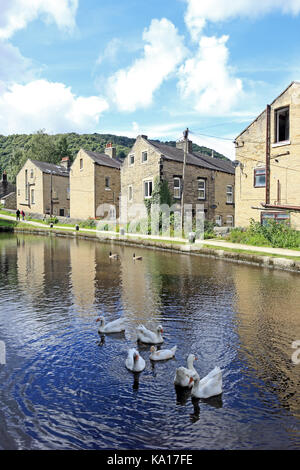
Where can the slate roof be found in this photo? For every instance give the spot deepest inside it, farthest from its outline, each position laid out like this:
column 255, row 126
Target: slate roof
column 195, row 158
column 103, row 159
column 46, row 167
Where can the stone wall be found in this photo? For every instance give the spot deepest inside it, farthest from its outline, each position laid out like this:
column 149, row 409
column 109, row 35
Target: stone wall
column 9, row 201
column 82, row 187
column 284, row 163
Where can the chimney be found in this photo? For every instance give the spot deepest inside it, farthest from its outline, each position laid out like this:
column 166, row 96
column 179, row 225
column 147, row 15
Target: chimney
column 212, row 154
column 180, row 145
column 65, row 161
column 110, row 151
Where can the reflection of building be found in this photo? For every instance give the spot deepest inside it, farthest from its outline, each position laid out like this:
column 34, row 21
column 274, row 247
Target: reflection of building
column 43, row 188
column 268, row 322
column 83, row 272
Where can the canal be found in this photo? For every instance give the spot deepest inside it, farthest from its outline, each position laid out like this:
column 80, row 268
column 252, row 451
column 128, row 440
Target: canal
column 63, row 386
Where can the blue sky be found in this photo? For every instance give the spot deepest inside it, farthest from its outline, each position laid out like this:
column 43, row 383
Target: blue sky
column 145, row 67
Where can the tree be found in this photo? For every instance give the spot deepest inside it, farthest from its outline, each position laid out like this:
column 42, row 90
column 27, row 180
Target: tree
column 42, row 147
column 63, row 149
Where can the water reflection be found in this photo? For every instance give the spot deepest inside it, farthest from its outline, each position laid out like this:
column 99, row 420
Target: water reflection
column 63, row 379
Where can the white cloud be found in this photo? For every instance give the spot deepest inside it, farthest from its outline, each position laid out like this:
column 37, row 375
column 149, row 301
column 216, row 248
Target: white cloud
column 16, row 14
column 111, row 50
column 207, row 81
column 51, row 106
column 199, row 12
column 13, row 66
column 133, row 87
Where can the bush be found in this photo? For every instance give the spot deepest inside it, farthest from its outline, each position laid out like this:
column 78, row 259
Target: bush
column 89, row 223
column 51, row 220
column 277, row 235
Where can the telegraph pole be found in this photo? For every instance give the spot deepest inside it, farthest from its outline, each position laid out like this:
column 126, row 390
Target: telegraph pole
column 185, row 151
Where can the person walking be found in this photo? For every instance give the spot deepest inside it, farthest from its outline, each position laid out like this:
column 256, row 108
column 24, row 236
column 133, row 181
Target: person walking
column 18, row 214
column 23, row 215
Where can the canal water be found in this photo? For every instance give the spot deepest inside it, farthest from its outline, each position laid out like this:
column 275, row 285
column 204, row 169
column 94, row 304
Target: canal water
column 65, row 387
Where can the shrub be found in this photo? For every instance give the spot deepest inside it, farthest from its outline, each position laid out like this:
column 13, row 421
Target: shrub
column 51, row 220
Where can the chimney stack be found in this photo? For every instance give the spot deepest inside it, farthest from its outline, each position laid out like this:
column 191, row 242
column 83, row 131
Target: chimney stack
column 110, row 151
column 180, row 145
column 65, row 161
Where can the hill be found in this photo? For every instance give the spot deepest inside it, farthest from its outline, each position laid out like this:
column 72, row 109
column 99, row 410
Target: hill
column 16, row 148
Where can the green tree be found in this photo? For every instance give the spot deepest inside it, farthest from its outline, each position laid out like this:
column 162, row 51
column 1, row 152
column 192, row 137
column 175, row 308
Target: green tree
column 62, row 148
column 42, row 147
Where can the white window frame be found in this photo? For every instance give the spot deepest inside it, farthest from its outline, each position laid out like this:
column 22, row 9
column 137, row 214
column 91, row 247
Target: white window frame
column 229, row 194
column 177, row 188
column 218, row 220
column 201, row 180
column 130, row 189
column 147, row 181
column 231, row 223
column 129, row 159
column 144, row 153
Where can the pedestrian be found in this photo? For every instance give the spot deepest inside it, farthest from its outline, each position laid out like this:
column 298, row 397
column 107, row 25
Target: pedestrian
column 23, row 215
column 18, row 214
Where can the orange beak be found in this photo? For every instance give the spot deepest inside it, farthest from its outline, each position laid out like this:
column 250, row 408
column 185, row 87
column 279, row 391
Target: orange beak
column 191, row 380
column 98, row 319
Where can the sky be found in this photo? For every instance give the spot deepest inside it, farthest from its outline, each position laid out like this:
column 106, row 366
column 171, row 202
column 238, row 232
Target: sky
column 148, row 67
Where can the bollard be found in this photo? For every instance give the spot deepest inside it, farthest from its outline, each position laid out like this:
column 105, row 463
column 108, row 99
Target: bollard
column 122, row 231
column 51, row 225
column 192, row 237
column 77, row 227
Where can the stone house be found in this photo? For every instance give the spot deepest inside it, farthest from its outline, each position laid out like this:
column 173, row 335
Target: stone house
column 7, row 192
column 208, row 181
column 94, row 180
column 268, row 172
column 43, row 188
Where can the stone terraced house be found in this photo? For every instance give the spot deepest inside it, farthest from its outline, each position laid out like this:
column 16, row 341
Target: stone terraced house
column 268, row 174
column 208, row 181
column 43, row 188
column 94, row 180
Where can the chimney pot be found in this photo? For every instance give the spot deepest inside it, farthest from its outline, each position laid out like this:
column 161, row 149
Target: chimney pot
column 65, row 161
column 110, row 151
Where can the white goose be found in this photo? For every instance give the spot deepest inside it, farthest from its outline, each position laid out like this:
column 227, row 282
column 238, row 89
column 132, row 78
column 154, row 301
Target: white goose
column 183, row 374
column 134, row 361
column 209, row 386
column 150, row 337
column 162, row 354
column 115, row 326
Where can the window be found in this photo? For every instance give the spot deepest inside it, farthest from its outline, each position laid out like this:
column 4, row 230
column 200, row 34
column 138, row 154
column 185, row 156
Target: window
column 130, row 193
column 147, row 189
column 61, row 212
column 219, row 220
column 279, row 217
column 177, row 188
column 144, row 157
column 68, row 192
column 201, row 189
column 131, row 160
column 229, row 221
column 107, row 182
column 19, row 192
column 81, row 164
column 26, row 185
column 259, row 177
column 229, row 194
column 32, row 196
column 31, row 173
column 282, row 125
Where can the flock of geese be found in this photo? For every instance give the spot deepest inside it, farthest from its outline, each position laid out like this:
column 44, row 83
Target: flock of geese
column 187, row 377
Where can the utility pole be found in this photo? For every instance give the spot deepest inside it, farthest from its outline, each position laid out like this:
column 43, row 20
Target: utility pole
column 185, row 151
